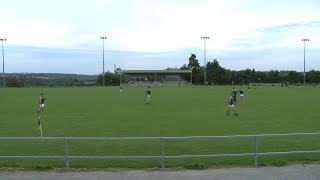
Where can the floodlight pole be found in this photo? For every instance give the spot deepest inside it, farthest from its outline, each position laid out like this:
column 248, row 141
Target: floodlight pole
column 103, row 38
column 120, row 77
column 304, row 60
column 205, row 59
column 4, row 78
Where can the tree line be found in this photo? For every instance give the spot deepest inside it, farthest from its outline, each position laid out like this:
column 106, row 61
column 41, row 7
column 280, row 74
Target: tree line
column 217, row 74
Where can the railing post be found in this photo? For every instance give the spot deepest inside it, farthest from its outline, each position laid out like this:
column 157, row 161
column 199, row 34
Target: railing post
column 66, row 153
column 256, row 151
column 162, row 152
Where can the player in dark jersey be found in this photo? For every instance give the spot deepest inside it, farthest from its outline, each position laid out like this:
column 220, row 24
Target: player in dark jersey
column 241, row 93
column 41, row 103
column 287, row 84
column 231, row 105
column 234, row 92
column 148, row 93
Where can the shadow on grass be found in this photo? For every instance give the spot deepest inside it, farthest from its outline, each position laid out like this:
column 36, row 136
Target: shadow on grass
column 43, row 168
column 196, row 166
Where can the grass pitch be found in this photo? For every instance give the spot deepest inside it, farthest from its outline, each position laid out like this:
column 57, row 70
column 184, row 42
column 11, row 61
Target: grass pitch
column 174, row 111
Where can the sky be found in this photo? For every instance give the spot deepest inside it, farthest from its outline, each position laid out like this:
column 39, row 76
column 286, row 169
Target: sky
column 63, row 36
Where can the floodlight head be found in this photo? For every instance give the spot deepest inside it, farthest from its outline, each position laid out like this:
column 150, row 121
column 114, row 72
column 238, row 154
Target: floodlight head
column 305, row 39
column 205, row 37
column 103, row 37
column 3, row 39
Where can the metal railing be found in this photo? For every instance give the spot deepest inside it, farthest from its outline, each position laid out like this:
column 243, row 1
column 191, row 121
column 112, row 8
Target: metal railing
column 66, row 157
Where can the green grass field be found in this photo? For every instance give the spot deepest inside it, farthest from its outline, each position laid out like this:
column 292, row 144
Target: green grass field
column 174, row 111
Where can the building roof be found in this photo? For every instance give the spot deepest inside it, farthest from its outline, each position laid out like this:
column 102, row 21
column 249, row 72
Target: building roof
column 155, row 71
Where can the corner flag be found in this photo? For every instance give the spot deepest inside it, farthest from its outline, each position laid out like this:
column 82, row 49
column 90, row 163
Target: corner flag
column 40, row 127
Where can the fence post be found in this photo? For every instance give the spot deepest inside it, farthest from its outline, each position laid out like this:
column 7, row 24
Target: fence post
column 256, row 151
column 66, row 153
column 162, row 151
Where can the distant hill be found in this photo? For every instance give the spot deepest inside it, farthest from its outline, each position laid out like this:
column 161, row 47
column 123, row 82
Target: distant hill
column 49, row 79
column 54, row 76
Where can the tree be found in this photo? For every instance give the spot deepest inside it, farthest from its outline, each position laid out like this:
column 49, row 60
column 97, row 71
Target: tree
column 261, row 77
column 196, row 69
column 215, row 72
column 110, row 79
column 313, row 76
column 184, row 67
column 193, row 62
column 14, row 82
column 294, row 77
column 117, row 71
column 274, row 76
column 246, row 76
column 227, row 76
column 219, row 75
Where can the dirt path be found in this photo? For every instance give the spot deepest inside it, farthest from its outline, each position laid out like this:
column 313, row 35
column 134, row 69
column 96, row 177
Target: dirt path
column 293, row 172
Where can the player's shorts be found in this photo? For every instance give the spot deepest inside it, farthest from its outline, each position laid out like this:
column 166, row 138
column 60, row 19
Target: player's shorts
column 41, row 105
column 242, row 95
column 148, row 95
column 121, row 90
column 231, row 105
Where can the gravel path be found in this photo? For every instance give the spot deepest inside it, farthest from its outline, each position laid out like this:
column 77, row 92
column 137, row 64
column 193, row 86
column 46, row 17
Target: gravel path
column 292, row 172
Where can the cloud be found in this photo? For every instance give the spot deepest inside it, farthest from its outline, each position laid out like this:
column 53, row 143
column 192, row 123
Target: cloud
column 291, row 26
column 86, row 61
column 56, row 35
column 272, row 58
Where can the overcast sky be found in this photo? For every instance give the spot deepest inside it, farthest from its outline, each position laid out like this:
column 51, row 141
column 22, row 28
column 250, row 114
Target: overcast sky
column 63, row 36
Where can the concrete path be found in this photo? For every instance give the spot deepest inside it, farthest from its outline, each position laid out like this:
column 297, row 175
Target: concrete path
column 293, row 172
